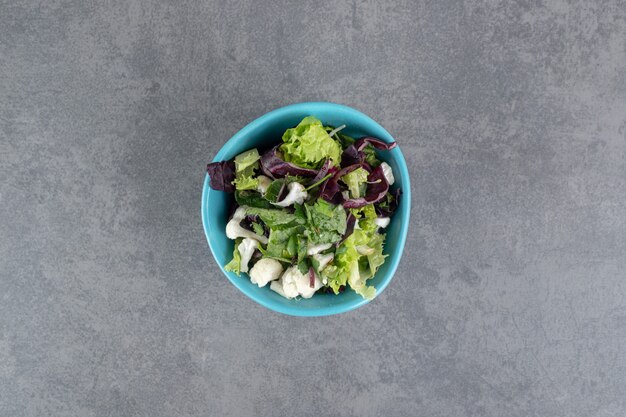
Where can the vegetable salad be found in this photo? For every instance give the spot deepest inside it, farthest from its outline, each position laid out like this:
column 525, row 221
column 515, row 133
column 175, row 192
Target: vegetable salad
column 310, row 213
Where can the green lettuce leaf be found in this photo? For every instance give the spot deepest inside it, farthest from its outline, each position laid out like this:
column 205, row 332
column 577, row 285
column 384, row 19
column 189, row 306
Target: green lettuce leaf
column 357, row 282
column 258, row 229
column 376, row 257
column 367, row 292
column 245, row 165
column 292, row 245
column 245, row 180
column 251, row 199
column 326, row 223
column 358, row 258
column 335, row 278
column 277, row 219
column 366, row 216
column 308, row 145
column 246, row 159
column 346, row 257
column 235, row 264
column 348, row 262
column 286, row 232
column 370, row 156
column 356, row 182
column 299, row 212
column 281, row 243
column 271, row 194
column 303, row 264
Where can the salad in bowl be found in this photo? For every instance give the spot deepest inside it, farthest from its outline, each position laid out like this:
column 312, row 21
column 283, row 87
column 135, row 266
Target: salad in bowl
column 310, row 212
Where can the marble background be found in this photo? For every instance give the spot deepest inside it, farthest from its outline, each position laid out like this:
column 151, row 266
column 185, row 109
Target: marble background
column 510, row 299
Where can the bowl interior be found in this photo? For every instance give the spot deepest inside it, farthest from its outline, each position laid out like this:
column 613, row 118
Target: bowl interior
column 267, row 130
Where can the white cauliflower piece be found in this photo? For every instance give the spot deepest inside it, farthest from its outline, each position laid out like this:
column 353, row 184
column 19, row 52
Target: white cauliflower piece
column 290, row 288
column 387, row 171
column 314, row 249
column 277, row 286
column 293, row 283
column 264, row 271
column 297, row 194
column 246, row 250
column 303, row 283
column 382, row 221
column 234, row 229
column 323, row 260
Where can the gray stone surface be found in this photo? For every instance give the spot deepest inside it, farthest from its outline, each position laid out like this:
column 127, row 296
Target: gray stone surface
column 510, row 299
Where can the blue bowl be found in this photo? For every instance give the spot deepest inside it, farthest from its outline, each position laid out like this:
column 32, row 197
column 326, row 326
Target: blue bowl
column 267, row 130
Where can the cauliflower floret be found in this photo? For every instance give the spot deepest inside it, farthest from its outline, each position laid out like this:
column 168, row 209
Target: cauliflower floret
column 388, row 173
column 297, row 194
column 290, row 288
column 382, row 221
column 264, row 271
column 312, row 250
column 323, row 260
column 277, row 286
column 246, row 250
column 234, row 229
column 293, row 283
column 303, row 283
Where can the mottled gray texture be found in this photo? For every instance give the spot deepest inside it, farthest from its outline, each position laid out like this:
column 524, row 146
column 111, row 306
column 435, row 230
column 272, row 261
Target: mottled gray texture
column 510, row 299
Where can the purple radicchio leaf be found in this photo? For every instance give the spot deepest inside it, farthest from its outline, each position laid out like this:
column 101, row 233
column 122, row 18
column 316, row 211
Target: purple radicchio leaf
column 330, row 190
column 222, row 175
column 394, row 202
column 353, row 154
column 274, row 166
column 247, row 221
column 324, row 170
column 376, row 190
column 257, row 255
column 376, row 143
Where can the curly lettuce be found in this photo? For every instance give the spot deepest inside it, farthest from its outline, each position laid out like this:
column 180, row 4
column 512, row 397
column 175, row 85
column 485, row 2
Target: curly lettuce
column 356, row 182
column 235, row 264
column 308, row 145
column 359, row 256
column 245, row 165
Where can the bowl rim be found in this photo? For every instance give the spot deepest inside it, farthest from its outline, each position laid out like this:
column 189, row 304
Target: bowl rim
column 292, row 309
